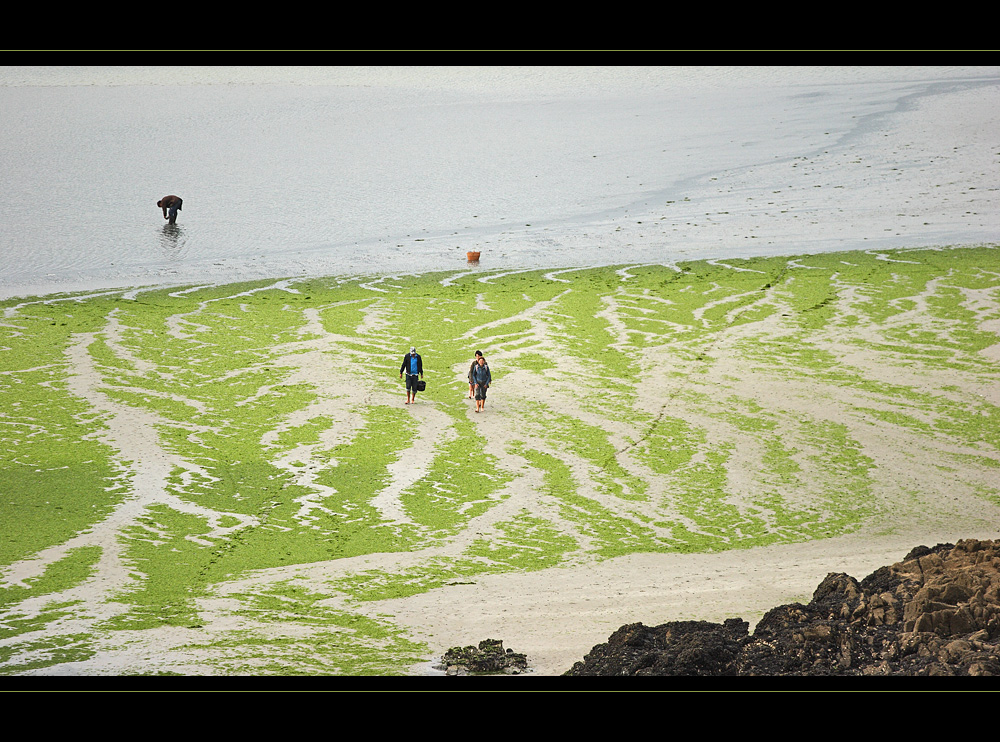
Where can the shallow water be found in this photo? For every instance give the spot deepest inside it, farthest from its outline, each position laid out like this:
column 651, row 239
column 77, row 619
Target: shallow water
column 319, row 171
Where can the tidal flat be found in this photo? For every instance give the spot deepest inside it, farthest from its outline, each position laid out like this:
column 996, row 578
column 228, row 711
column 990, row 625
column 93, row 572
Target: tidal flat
column 225, row 480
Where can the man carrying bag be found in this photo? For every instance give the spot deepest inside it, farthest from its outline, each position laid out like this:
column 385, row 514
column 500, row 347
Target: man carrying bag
column 413, row 367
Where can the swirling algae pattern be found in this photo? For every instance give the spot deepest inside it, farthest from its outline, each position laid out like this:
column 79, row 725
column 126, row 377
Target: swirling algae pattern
column 210, row 479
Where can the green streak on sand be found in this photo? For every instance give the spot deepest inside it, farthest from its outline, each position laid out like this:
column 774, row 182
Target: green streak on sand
column 20, row 647
column 76, row 566
column 291, row 632
column 609, row 533
column 526, row 543
column 588, row 442
column 56, row 479
column 433, row 572
column 697, row 407
column 59, row 649
column 453, row 492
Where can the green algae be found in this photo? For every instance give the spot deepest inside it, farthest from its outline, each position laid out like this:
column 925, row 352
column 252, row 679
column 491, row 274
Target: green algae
column 387, row 584
column 71, row 570
column 23, row 657
column 257, row 482
column 453, row 492
column 56, row 478
column 526, row 543
column 590, row 443
column 608, row 533
column 169, row 565
column 307, row 433
column 292, row 632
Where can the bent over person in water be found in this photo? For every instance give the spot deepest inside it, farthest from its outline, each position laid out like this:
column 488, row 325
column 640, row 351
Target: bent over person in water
column 171, row 204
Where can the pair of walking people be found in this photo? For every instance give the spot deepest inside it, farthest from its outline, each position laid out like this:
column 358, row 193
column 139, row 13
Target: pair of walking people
column 479, row 380
column 479, row 377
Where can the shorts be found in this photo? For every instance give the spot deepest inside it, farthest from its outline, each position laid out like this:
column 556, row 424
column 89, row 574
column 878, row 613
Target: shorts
column 411, row 382
column 481, row 392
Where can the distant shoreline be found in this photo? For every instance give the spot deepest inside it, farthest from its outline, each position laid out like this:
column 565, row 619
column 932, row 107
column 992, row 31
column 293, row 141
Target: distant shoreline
column 46, row 291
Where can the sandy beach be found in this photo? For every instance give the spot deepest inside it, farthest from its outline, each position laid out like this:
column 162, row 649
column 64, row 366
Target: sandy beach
column 220, row 477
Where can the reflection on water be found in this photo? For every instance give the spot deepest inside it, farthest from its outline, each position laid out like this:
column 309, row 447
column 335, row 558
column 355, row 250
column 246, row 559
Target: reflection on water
column 172, row 242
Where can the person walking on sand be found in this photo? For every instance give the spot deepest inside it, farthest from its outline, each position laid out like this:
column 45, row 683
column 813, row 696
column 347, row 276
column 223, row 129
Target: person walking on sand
column 472, row 365
column 171, row 203
column 481, row 379
column 413, row 366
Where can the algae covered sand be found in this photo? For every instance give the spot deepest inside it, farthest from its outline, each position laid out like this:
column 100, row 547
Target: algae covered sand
column 225, row 480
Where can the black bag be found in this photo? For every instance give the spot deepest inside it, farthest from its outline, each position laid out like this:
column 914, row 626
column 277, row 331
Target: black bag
column 421, row 385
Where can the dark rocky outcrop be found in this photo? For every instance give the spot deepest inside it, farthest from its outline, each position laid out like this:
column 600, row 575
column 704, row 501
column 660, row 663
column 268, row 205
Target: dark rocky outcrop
column 937, row 612
column 488, row 658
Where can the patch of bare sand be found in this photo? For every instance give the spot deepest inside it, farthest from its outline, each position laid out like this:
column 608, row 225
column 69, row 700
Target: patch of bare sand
column 557, row 616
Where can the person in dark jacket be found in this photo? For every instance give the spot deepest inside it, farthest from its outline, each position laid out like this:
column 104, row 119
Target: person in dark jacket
column 171, row 204
column 482, row 379
column 472, row 365
column 413, row 366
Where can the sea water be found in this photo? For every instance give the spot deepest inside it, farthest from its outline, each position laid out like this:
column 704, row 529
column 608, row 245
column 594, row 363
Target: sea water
column 305, row 171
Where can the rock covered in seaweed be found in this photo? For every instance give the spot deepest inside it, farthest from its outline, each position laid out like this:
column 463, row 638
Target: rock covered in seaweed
column 488, row 658
column 937, row 612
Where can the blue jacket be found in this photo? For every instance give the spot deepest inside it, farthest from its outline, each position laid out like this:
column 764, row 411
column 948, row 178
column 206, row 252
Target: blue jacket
column 405, row 368
column 481, row 375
